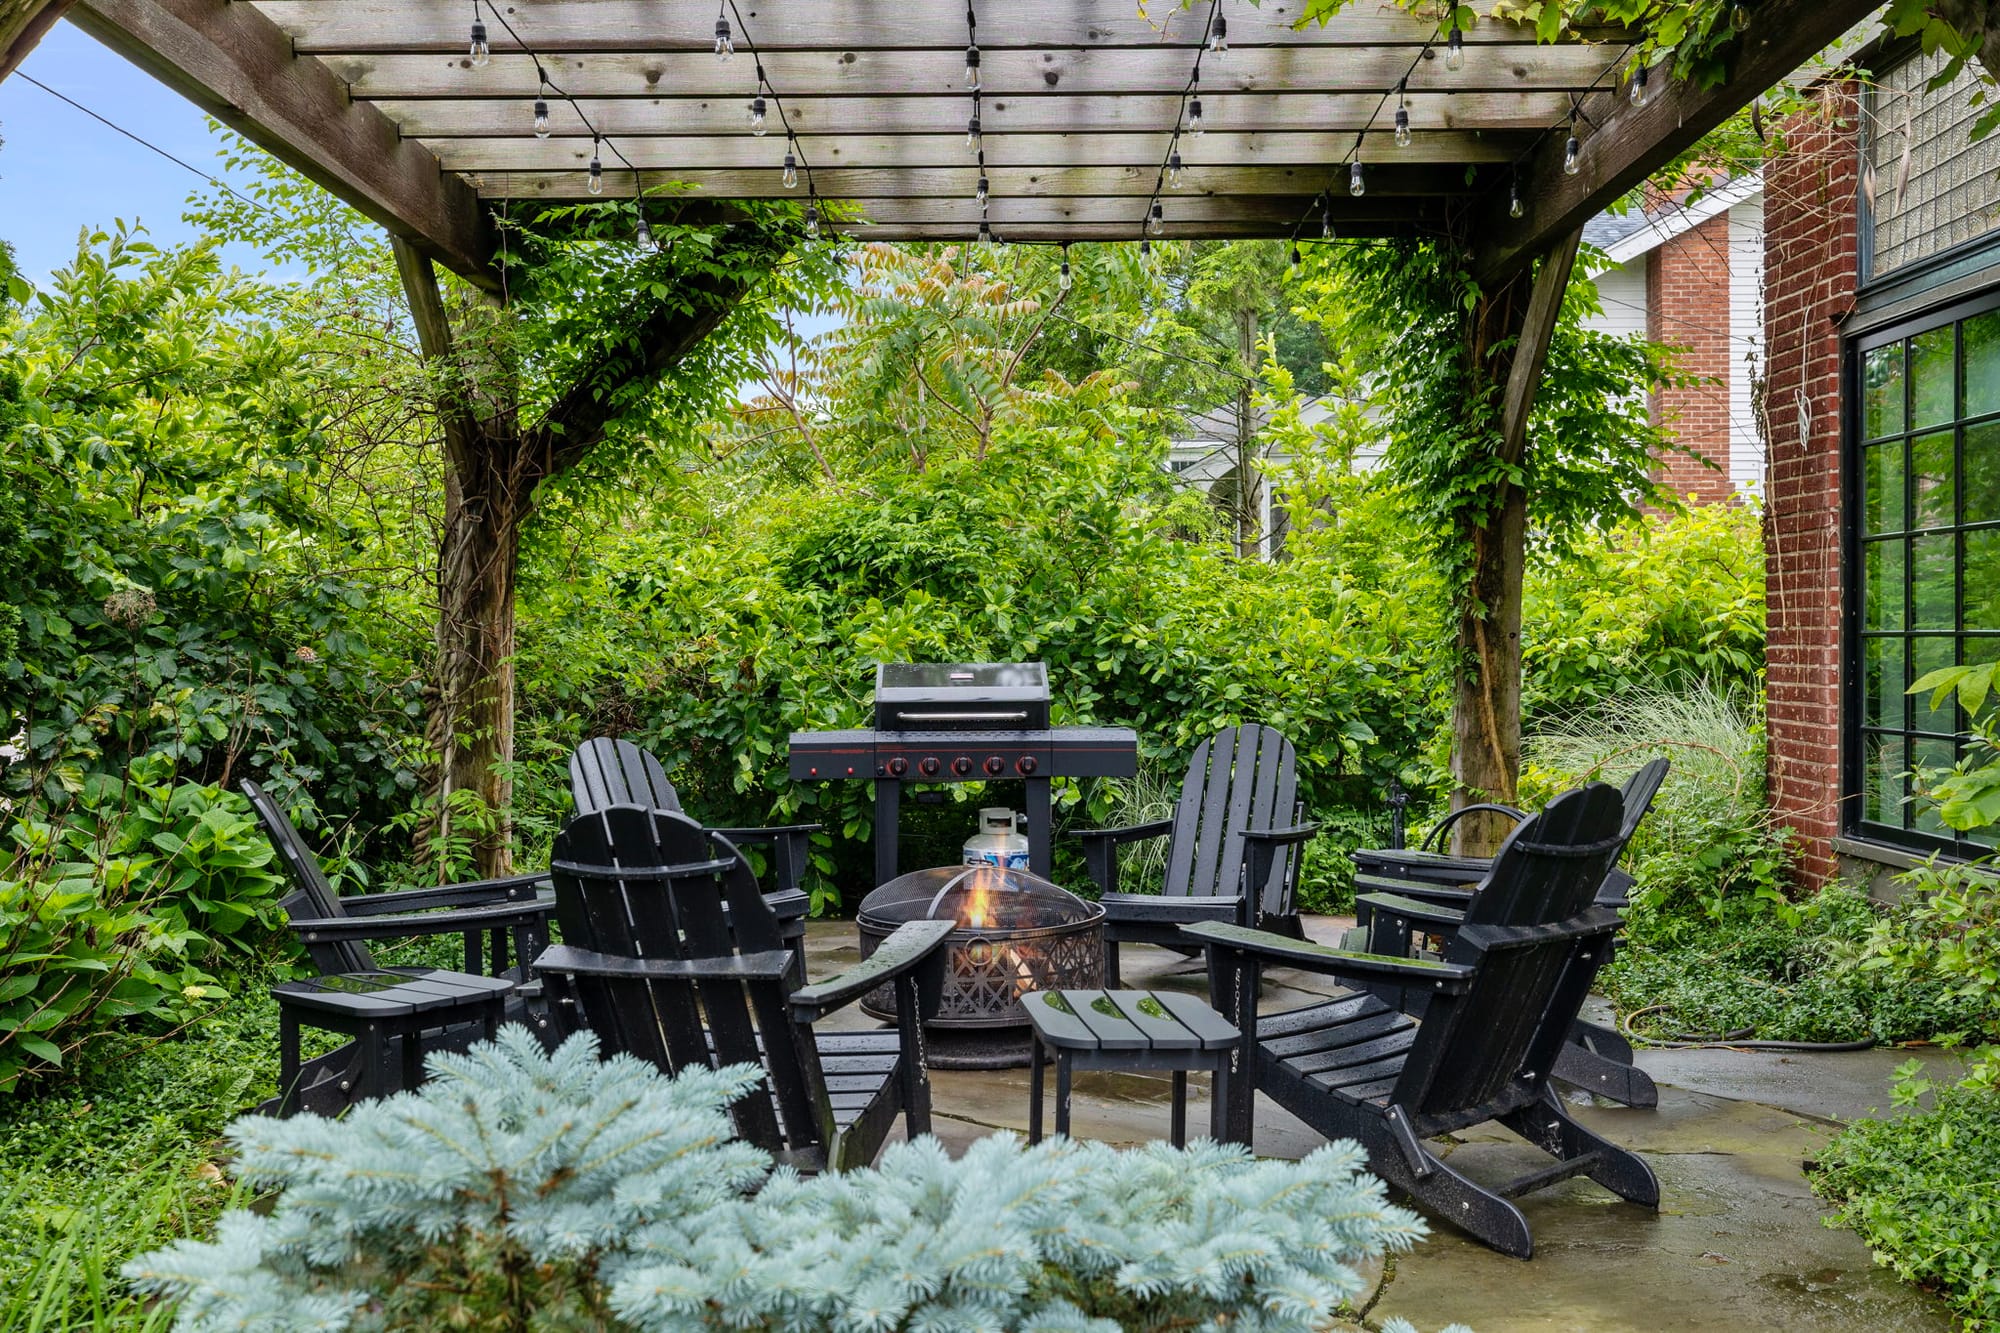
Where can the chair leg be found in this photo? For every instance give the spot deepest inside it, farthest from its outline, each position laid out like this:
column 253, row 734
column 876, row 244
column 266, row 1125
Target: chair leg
column 288, row 1062
column 1036, row 1084
column 1603, row 1075
column 412, row 1059
column 1549, row 1126
column 1111, row 977
column 1450, row 1196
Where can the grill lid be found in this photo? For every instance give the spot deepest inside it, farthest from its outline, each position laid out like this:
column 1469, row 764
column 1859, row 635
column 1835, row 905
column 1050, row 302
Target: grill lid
column 990, row 898
column 961, row 696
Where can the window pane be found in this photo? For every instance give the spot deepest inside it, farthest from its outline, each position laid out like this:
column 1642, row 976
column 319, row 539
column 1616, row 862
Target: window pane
column 1982, row 364
column 1936, row 756
column 1933, row 581
column 1933, row 474
column 1883, row 703
column 1981, row 479
column 1982, row 579
column 1882, row 767
column 1882, row 392
column 1882, row 488
column 1932, row 378
column 1882, row 585
column 1927, row 654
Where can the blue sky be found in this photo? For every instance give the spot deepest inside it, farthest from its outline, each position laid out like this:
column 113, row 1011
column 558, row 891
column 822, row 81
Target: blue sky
column 61, row 171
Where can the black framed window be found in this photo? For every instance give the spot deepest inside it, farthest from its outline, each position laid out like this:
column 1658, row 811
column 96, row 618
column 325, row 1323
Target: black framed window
column 1926, row 550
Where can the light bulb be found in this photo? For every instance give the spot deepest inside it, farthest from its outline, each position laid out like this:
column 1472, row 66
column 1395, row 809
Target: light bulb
column 985, row 232
column 1156, row 222
column 972, row 68
column 1325, row 221
column 725, row 44
column 1637, row 91
column 1218, row 36
column 596, row 170
column 1355, row 185
column 791, row 170
column 1295, row 262
column 1454, row 49
column 757, row 125
column 1175, row 171
column 482, row 53
column 979, row 195
column 812, row 222
column 1063, row 280
column 1572, row 156
column 645, row 234
column 1739, row 18
column 1402, row 127
column 1195, row 125
column 1145, row 248
column 541, row 119
column 1514, row 208
column 973, row 139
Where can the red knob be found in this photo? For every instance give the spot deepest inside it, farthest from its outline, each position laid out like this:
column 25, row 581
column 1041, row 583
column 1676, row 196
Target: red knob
column 995, row 765
column 961, row 766
column 1025, row 765
column 929, row 766
column 898, row 766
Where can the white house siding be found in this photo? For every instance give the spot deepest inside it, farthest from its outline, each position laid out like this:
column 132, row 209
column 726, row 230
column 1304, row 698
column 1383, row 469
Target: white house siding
column 1746, row 343
column 1622, row 291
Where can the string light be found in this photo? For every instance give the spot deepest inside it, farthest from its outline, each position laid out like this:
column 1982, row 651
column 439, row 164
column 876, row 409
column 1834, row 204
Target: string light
column 980, row 194
column 973, row 138
column 972, row 68
column 1063, row 279
column 791, row 164
column 1293, row 268
column 1454, row 46
column 1145, row 247
column 1325, row 218
column 541, row 119
column 1194, row 124
column 645, row 233
column 480, row 50
column 1156, row 221
column 1514, row 208
column 1175, row 171
column 812, row 219
column 757, row 109
column 1402, row 116
column 596, row 168
column 1637, row 91
column 985, row 231
column 1356, row 186
column 1572, row 149
column 725, row 43
column 1739, row 18
column 1218, row 35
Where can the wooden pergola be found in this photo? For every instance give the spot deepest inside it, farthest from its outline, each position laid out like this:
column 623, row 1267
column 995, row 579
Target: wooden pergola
column 1080, row 104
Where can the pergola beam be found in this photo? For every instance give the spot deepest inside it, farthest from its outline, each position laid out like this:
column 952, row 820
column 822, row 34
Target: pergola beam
column 238, row 66
column 23, row 24
column 1630, row 142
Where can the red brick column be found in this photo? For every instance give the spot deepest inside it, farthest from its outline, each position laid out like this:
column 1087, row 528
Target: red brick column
column 1811, row 256
column 1687, row 307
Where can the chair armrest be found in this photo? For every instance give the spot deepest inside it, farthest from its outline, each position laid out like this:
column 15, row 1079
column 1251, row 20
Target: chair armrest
column 1444, row 895
column 1262, row 849
column 1415, row 863
column 1411, row 909
column 1282, row 837
column 1170, row 907
column 913, row 944
column 789, row 844
column 789, row 904
column 496, row 916
column 1100, row 848
column 764, row 835
column 514, row 888
column 1310, row 957
column 770, row 965
column 1432, row 838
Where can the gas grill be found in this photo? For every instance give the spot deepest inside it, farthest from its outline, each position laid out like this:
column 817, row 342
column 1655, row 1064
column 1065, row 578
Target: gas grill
column 962, row 722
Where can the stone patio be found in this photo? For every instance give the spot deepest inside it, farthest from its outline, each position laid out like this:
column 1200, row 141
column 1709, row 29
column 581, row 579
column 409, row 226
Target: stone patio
column 1738, row 1241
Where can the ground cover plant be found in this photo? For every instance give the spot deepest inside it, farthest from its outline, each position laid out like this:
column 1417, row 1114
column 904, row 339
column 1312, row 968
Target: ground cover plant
column 522, row 1189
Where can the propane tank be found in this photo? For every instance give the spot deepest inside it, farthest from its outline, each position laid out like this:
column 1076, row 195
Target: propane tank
column 997, row 843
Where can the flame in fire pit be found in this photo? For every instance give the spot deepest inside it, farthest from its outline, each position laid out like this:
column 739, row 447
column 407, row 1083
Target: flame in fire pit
column 978, row 910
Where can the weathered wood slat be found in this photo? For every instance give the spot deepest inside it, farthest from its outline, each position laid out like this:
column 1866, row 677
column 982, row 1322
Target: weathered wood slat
column 662, row 113
column 1107, row 1023
column 1007, row 74
column 1209, row 1028
column 570, row 25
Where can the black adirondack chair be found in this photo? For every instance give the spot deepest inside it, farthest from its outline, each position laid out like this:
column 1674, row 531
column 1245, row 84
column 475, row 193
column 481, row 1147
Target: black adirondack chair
column 654, row 966
column 1233, row 851
column 498, row 918
column 1412, row 898
column 1500, row 1004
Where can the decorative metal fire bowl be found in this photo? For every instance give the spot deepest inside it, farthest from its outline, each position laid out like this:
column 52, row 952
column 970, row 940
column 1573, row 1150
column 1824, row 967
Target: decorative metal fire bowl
column 1017, row 933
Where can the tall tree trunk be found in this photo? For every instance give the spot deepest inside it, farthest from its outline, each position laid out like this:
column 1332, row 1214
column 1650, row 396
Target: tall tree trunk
column 1249, row 492
column 1507, row 337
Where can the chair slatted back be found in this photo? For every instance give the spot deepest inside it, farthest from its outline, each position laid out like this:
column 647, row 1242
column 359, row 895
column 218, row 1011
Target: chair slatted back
column 310, row 883
column 1639, row 791
column 1533, row 937
column 640, row 883
column 604, row 772
column 1240, row 778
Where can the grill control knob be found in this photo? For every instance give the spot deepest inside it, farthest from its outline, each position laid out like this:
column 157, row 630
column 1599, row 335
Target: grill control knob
column 961, row 766
column 1025, row 765
column 898, row 766
column 929, row 766
column 995, row 765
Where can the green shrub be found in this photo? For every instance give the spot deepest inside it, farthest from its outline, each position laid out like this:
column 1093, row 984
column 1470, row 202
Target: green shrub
column 519, row 1189
column 1924, row 1191
column 112, row 907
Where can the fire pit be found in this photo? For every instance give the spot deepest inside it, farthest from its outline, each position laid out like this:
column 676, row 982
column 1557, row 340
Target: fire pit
column 1016, row 933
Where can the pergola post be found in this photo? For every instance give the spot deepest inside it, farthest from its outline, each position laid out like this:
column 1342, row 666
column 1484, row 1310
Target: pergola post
column 1486, row 714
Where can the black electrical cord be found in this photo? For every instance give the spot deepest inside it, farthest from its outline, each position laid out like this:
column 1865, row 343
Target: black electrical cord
column 1728, row 1041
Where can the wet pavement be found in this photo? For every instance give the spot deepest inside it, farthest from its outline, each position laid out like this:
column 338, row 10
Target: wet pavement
column 1739, row 1241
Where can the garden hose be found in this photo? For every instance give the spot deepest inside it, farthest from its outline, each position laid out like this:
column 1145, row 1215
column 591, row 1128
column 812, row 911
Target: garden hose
column 1732, row 1041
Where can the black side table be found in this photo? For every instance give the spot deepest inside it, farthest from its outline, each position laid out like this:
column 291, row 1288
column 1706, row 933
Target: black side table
column 1131, row 1030
column 376, row 1008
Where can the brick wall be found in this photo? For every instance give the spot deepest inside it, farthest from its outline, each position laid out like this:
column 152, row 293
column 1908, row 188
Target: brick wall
column 1810, row 238
column 1687, row 306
